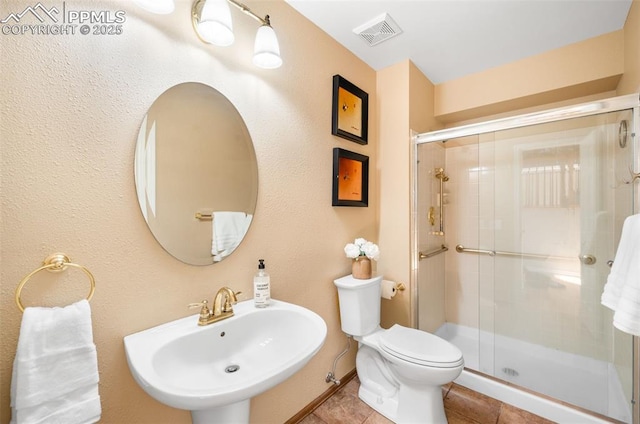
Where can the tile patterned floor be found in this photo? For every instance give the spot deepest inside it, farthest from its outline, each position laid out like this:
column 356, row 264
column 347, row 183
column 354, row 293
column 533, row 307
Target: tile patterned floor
column 462, row 406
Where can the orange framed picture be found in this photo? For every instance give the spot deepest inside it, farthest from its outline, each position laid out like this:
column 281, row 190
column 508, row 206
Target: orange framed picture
column 350, row 178
column 350, row 111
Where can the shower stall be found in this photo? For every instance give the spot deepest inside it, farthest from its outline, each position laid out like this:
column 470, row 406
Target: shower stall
column 516, row 224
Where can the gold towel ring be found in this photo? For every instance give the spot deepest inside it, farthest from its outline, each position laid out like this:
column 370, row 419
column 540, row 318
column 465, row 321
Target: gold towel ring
column 56, row 262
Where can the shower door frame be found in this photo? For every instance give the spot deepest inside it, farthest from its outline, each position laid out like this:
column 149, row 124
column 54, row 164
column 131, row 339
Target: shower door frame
column 614, row 104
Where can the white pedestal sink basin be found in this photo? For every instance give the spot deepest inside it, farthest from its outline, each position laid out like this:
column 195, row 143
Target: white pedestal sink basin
column 215, row 370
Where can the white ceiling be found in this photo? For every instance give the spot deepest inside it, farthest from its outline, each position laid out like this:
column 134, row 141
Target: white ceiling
column 448, row 39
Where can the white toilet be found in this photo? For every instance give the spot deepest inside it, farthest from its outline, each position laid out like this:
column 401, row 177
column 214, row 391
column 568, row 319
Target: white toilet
column 401, row 370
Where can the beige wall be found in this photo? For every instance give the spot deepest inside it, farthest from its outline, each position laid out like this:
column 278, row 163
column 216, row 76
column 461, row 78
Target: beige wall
column 71, row 110
column 580, row 69
column 421, row 102
column 405, row 103
column 600, row 67
column 393, row 85
column 630, row 82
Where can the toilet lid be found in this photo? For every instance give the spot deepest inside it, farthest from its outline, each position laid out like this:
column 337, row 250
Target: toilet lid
column 420, row 347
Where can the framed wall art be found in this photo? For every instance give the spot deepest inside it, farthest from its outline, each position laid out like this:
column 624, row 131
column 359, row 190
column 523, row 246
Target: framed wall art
column 350, row 178
column 350, row 111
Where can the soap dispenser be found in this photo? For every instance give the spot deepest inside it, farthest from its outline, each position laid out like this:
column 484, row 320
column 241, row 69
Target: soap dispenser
column 261, row 287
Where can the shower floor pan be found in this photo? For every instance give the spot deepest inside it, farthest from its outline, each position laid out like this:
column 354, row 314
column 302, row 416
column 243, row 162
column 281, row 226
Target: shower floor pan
column 578, row 380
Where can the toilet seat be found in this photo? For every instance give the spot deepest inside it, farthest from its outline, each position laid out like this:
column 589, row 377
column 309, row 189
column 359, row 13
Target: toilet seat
column 420, row 347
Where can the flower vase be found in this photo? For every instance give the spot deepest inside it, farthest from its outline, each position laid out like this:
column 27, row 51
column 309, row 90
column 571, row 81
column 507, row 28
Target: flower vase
column 361, row 268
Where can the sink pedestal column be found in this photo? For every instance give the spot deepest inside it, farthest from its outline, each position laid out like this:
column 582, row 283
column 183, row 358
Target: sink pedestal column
column 237, row 413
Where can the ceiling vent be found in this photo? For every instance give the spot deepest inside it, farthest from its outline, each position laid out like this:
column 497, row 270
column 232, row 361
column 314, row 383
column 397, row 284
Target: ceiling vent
column 378, row 29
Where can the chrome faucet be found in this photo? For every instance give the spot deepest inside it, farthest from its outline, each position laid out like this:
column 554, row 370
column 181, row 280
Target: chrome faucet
column 222, row 307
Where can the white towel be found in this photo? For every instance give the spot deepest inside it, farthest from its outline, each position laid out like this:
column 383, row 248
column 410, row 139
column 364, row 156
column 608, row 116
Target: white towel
column 55, row 371
column 228, row 230
column 622, row 290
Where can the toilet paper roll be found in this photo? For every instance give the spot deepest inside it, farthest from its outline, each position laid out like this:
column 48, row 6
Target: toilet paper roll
column 389, row 289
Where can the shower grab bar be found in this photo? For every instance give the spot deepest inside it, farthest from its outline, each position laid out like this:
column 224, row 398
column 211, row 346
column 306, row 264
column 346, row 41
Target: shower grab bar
column 433, row 253
column 461, row 249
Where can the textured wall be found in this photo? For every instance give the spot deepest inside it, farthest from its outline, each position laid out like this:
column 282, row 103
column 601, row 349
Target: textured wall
column 71, row 107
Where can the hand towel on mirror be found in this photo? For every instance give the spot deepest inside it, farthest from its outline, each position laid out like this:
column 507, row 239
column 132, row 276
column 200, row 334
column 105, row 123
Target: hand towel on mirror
column 228, row 230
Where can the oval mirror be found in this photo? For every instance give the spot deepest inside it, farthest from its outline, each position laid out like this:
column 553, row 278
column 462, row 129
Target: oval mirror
column 196, row 173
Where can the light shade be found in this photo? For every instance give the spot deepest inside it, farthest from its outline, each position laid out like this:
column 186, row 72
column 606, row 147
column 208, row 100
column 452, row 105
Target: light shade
column 214, row 25
column 266, row 51
column 161, row 7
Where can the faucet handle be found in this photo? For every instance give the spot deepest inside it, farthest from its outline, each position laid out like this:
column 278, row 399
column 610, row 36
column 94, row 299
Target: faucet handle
column 235, row 296
column 204, row 305
column 230, row 300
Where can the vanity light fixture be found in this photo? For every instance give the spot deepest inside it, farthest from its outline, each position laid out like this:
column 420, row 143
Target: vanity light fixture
column 212, row 22
column 161, row 7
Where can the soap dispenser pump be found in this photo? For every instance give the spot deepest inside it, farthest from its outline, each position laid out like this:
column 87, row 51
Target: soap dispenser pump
column 261, row 287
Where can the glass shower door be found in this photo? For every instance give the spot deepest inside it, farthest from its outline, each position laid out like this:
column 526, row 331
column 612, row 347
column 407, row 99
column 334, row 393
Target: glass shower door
column 551, row 205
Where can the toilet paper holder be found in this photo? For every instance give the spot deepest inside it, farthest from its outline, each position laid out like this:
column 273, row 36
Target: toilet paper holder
column 390, row 288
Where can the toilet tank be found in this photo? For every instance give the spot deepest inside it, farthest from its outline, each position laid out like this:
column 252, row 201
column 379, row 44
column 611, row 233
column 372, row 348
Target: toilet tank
column 359, row 304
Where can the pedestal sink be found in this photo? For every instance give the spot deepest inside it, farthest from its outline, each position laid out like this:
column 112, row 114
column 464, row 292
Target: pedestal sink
column 215, row 370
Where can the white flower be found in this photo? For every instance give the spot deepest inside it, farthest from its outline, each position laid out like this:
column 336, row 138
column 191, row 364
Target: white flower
column 362, row 247
column 352, row 250
column 371, row 250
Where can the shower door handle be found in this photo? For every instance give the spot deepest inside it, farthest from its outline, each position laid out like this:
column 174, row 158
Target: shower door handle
column 587, row 259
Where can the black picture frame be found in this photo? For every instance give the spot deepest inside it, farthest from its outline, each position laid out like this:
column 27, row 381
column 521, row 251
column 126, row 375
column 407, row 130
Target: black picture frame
column 350, row 111
column 350, row 178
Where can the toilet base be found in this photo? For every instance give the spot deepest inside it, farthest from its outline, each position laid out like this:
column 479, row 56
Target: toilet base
column 378, row 387
column 401, row 403
column 421, row 407
column 387, row 406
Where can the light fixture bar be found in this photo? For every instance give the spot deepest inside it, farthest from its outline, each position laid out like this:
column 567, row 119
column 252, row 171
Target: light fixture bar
column 245, row 9
column 213, row 24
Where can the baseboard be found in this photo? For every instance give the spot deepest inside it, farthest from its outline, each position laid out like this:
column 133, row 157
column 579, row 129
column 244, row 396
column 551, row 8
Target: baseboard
column 318, row 401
